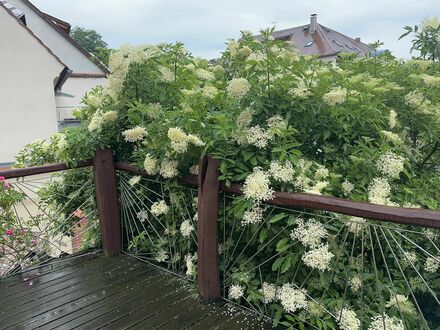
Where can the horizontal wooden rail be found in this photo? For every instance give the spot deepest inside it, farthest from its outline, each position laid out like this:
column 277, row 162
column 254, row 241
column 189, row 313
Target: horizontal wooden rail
column 28, row 171
column 406, row 216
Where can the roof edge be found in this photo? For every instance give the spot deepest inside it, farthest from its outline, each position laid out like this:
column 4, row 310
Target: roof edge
column 65, row 35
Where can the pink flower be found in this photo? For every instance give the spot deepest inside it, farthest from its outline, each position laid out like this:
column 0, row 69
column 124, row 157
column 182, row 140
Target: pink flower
column 79, row 213
column 9, row 232
column 7, row 185
column 34, row 242
column 2, row 178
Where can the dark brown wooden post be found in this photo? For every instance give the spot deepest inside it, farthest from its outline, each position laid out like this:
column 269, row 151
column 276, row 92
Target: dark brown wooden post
column 207, row 230
column 107, row 199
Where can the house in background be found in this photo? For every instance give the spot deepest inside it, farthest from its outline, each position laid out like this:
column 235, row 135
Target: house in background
column 85, row 73
column 316, row 39
column 44, row 75
column 29, row 75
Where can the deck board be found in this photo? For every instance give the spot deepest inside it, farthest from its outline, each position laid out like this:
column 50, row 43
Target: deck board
column 94, row 292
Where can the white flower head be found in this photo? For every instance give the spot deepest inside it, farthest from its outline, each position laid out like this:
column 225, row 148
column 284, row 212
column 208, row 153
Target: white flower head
column 150, row 165
column 379, row 191
column 318, row 258
column 309, row 233
column 392, row 119
column 134, row 134
column 347, row 187
column 186, row 228
column 168, row 168
column 134, row 180
column 159, row 208
column 258, row 136
column 161, row 256
column 432, row 265
column 238, row 88
column 292, row 299
column 236, row 291
column 335, row 96
column 382, row 322
column 355, row 283
column 390, row 164
column 252, row 216
column 282, row 172
column 348, row 320
column 257, row 186
column 142, row 215
column 356, row 225
column 269, row 292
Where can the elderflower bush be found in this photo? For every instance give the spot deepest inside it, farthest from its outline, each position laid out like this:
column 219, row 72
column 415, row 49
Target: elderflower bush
column 366, row 129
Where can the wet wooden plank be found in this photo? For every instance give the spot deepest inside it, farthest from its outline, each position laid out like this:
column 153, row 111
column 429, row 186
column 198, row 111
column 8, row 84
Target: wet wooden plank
column 122, row 294
column 44, row 309
column 45, row 269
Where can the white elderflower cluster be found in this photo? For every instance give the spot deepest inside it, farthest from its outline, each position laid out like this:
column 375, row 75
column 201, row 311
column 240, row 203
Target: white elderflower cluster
column 390, row 164
column 190, row 266
column 236, row 291
column 292, row 299
column 166, row 74
column 321, row 173
column 209, row 92
column 336, row 95
column 110, row 116
column 269, row 292
column 347, row 187
column 194, row 170
column 180, row 140
column 62, row 142
column 238, row 88
column 430, row 80
column 317, row 188
column 203, row 74
column 348, row 320
column 96, row 122
column 276, row 122
column 150, row 165
column 356, row 225
column 309, row 233
column 244, row 119
column 355, row 283
column 257, row 186
column 159, row 208
column 392, row 137
column 186, row 228
column 161, row 256
column 415, row 99
column 282, row 172
column 134, row 180
column 142, row 215
column 382, row 322
column 379, row 191
column 168, row 168
column 134, row 134
column 301, row 91
column 258, row 136
column 318, row 258
column 392, row 119
column 409, row 258
column 252, row 216
column 401, row 302
column 432, row 265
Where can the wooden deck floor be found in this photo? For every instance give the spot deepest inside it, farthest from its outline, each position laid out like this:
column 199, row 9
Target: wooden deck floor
column 93, row 292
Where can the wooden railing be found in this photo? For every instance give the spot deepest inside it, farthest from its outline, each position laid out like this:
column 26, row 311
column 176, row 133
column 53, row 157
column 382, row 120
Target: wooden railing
column 209, row 188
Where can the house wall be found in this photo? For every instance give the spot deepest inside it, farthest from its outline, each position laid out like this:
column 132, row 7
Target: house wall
column 54, row 40
column 27, row 75
column 69, row 98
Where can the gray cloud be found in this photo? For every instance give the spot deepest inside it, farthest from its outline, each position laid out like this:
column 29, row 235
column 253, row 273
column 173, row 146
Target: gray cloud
column 204, row 26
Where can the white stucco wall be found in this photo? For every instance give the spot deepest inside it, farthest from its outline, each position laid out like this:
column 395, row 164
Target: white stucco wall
column 69, row 98
column 27, row 74
column 53, row 39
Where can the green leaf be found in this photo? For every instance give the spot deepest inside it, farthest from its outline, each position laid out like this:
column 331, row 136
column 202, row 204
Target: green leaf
column 278, row 217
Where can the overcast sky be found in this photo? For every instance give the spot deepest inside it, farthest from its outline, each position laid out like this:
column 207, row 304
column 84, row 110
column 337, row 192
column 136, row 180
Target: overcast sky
column 205, row 25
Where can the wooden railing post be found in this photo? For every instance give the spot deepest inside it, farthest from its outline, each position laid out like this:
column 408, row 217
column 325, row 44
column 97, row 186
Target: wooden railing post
column 107, row 200
column 207, row 230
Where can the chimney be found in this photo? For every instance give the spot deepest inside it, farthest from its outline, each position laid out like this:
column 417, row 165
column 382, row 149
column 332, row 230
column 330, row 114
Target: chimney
column 313, row 23
column 358, row 39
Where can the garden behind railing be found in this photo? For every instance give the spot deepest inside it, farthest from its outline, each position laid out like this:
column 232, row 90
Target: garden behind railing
column 312, row 262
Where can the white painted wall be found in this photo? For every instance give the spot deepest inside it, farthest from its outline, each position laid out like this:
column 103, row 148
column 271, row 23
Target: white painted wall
column 69, row 98
column 55, row 41
column 27, row 75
